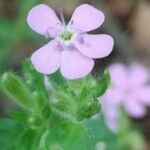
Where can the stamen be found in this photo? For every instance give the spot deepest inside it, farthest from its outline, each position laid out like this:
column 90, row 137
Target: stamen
column 60, row 11
column 66, row 35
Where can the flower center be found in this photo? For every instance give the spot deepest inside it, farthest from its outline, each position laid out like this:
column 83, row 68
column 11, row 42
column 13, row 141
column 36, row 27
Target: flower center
column 66, row 36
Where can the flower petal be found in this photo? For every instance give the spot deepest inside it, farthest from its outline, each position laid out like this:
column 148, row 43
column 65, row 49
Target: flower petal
column 113, row 97
column 46, row 60
column 75, row 65
column 86, row 18
column 143, row 94
column 95, row 46
column 139, row 74
column 134, row 108
column 110, row 112
column 42, row 18
column 119, row 75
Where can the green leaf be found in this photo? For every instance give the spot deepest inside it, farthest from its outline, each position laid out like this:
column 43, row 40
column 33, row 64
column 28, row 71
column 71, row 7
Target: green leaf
column 33, row 138
column 16, row 89
column 27, row 140
column 62, row 102
column 35, row 82
column 57, row 80
column 87, row 109
column 99, row 132
column 68, row 136
column 10, row 132
column 103, row 84
column 19, row 116
column 84, row 135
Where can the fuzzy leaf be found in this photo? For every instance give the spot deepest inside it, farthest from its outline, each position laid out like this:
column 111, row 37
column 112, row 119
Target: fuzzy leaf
column 17, row 90
column 57, row 80
column 103, row 84
column 35, row 82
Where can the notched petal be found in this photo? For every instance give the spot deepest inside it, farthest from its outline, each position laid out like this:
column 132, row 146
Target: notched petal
column 86, row 18
column 41, row 18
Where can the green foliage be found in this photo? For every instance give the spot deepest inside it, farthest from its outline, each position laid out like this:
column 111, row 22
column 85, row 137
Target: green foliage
column 84, row 135
column 27, row 140
column 81, row 96
column 10, row 132
column 19, row 116
column 128, row 136
column 58, row 117
column 103, row 83
column 16, row 89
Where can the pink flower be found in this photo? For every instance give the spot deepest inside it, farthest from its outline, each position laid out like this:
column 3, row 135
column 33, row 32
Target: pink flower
column 72, row 49
column 129, row 89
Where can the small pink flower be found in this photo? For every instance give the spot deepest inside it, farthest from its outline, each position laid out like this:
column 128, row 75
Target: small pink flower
column 72, row 49
column 129, row 89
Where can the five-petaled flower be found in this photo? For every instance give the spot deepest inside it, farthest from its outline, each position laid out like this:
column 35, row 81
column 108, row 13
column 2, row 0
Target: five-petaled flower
column 129, row 90
column 72, row 48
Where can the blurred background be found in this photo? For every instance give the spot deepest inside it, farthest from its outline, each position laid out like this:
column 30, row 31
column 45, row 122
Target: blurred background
column 128, row 21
